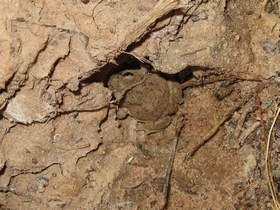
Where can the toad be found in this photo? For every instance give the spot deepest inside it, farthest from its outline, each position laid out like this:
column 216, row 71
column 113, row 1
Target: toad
column 147, row 97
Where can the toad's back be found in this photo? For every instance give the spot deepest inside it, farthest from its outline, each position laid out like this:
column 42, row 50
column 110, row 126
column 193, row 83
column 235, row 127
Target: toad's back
column 149, row 100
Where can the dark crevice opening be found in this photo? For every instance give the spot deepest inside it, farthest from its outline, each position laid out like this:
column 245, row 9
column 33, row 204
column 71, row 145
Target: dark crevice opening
column 126, row 61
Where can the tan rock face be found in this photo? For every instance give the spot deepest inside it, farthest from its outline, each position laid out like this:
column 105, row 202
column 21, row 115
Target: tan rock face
column 7, row 69
column 63, row 146
column 28, row 107
column 57, row 49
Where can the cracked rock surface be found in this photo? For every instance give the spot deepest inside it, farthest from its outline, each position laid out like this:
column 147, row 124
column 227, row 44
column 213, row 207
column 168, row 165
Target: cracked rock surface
column 61, row 143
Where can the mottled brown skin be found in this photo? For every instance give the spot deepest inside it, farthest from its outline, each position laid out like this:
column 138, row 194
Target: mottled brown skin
column 152, row 102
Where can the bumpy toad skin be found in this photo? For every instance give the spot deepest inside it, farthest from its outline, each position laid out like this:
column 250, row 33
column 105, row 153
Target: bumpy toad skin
column 148, row 98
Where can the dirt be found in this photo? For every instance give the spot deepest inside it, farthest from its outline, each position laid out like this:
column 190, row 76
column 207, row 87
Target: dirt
column 63, row 145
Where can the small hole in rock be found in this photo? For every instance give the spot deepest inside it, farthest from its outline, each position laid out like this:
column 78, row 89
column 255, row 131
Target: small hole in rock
column 126, row 61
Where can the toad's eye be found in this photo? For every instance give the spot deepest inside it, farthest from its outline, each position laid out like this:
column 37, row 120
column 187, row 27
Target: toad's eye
column 127, row 74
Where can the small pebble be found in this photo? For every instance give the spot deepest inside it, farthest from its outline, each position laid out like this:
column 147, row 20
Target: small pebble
column 43, row 182
column 267, row 46
column 271, row 48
